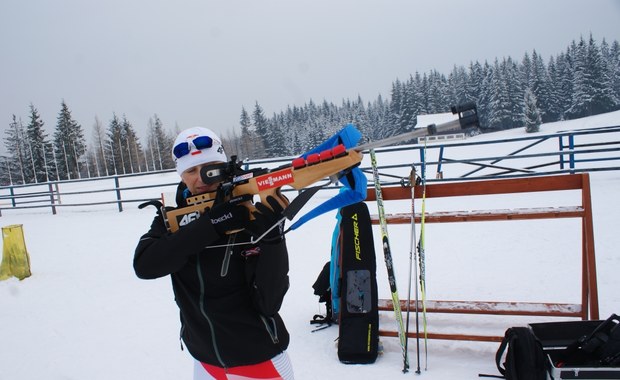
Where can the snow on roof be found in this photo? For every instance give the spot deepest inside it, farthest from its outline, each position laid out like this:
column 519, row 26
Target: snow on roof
column 437, row 118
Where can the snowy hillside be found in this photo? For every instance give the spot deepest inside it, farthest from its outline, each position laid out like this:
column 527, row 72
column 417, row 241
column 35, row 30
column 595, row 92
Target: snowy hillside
column 84, row 315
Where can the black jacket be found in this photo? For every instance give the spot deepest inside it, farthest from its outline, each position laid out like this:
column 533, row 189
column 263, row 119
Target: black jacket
column 229, row 297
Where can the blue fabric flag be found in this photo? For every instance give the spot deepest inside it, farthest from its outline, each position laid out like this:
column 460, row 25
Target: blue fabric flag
column 355, row 183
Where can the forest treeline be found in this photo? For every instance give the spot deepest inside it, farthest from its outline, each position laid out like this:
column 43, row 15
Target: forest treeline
column 582, row 80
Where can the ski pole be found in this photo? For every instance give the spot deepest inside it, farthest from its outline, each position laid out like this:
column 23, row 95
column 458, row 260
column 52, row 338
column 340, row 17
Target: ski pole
column 422, row 256
column 413, row 262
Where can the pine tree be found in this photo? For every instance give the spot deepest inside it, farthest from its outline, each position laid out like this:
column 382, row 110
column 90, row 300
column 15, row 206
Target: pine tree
column 359, row 116
column 554, row 110
column 437, row 99
column 315, row 132
column 605, row 99
column 398, row 112
column 69, row 146
column 515, row 91
column 475, row 82
column 232, row 143
column 409, row 107
column 423, row 89
column 564, row 83
column 41, row 152
column 159, row 146
column 457, row 86
column 114, row 148
column 539, row 84
column 316, row 126
column 132, row 149
column 526, row 70
column 500, row 105
column 583, row 92
column 532, row 115
column 248, row 140
column 276, row 145
column 262, row 130
column 98, row 150
column 378, row 120
column 18, row 154
column 613, row 65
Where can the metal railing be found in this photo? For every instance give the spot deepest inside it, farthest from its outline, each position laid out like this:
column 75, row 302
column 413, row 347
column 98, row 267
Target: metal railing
column 579, row 151
column 590, row 150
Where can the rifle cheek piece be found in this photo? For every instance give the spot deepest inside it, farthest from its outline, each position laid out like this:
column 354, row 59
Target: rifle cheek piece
column 215, row 173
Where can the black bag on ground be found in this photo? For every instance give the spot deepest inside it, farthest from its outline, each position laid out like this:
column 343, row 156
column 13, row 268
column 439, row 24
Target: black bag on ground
column 323, row 289
column 525, row 359
column 359, row 316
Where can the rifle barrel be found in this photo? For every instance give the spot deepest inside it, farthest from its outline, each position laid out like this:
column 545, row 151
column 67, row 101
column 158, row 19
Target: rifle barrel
column 430, row 130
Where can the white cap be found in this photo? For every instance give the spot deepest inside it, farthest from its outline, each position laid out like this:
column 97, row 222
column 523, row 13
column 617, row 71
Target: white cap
column 196, row 156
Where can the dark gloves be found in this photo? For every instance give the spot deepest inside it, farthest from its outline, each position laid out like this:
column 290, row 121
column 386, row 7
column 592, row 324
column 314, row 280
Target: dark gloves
column 265, row 218
column 230, row 215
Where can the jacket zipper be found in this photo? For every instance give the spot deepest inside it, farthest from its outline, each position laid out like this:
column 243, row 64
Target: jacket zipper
column 204, row 313
column 272, row 329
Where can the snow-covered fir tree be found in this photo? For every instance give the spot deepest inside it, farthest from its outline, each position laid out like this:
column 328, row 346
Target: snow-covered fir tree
column 41, row 152
column 532, row 116
column 114, row 147
column 132, row 149
column 15, row 165
column 69, row 145
column 159, row 145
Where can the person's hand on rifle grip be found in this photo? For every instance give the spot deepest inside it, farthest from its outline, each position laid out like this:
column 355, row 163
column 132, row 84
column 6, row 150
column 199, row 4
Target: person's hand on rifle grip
column 230, row 215
column 266, row 217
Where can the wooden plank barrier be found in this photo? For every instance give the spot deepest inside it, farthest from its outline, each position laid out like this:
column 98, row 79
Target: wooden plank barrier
column 587, row 309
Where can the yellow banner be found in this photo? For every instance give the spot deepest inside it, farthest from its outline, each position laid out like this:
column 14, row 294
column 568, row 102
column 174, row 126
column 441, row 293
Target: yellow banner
column 15, row 259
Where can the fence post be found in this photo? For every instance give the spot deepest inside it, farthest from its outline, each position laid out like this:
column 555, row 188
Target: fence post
column 118, row 194
column 58, row 193
column 13, row 196
column 561, row 146
column 571, row 145
column 52, row 200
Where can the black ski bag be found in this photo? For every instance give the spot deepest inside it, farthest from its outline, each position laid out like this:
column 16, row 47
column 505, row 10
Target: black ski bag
column 359, row 316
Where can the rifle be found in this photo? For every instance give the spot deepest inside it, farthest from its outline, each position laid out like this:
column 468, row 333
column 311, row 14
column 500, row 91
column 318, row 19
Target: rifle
column 332, row 163
column 300, row 174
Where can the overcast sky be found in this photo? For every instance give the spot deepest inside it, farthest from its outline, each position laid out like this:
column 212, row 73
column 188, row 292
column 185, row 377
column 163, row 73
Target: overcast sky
column 197, row 62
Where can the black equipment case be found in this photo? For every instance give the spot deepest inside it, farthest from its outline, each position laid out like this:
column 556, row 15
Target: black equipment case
column 581, row 349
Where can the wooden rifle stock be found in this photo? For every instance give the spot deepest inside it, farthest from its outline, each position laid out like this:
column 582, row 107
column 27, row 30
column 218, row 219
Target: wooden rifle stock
column 299, row 174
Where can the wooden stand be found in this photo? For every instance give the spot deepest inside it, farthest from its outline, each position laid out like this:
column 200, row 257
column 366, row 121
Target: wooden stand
column 587, row 309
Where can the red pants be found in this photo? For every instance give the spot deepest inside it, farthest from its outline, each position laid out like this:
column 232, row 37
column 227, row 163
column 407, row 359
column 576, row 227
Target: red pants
column 278, row 368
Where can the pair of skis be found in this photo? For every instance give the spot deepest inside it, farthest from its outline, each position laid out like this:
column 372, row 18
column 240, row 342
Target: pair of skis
column 403, row 327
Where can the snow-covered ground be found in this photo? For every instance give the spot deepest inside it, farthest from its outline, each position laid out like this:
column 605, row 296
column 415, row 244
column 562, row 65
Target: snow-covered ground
column 84, row 315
